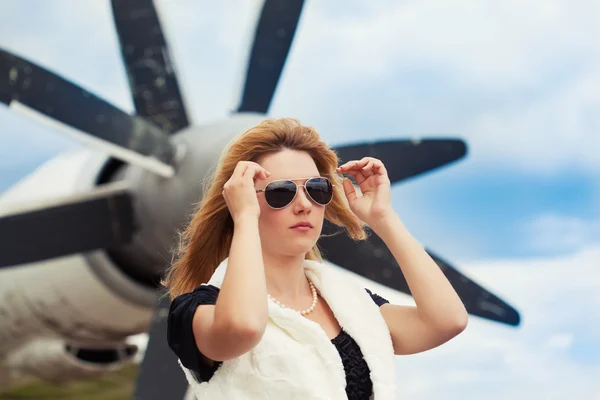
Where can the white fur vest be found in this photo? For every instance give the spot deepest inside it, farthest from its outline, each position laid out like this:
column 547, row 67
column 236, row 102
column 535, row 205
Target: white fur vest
column 296, row 360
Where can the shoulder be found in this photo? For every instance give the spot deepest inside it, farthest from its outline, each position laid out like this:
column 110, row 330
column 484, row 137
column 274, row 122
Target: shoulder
column 203, row 294
column 183, row 307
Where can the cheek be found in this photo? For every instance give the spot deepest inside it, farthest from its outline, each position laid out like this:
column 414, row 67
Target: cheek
column 270, row 221
column 321, row 217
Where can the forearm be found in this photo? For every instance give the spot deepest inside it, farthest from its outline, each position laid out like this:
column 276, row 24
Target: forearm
column 437, row 302
column 242, row 301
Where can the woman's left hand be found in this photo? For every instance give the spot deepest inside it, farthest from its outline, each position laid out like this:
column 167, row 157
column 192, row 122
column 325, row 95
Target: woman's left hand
column 371, row 175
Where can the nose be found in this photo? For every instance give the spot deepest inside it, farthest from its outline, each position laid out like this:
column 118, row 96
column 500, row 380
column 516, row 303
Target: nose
column 302, row 203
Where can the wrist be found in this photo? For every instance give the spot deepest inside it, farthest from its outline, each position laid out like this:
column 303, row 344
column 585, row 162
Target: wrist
column 246, row 219
column 385, row 222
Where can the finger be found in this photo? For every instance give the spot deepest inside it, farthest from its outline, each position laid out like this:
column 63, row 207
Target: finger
column 260, row 173
column 367, row 170
column 358, row 175
column 370, row 166
column 363, row 161
column 347, row 165
column 379, row 169
column 355, row 164
column 240, row 169
column 255, row 171
column 349, row 190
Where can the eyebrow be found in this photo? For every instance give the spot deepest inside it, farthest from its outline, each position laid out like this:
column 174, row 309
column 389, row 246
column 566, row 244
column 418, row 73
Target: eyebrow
column 296, row 179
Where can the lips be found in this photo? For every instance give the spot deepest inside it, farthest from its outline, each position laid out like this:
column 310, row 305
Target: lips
column 304, row 223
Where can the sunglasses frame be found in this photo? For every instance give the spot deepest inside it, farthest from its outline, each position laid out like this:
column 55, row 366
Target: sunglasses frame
column 297, row 189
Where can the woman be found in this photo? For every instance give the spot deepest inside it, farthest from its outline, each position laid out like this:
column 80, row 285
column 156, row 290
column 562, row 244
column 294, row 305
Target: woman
column 256, row 315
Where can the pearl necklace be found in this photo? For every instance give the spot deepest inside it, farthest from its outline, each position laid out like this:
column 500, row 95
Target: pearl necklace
column 303, row 312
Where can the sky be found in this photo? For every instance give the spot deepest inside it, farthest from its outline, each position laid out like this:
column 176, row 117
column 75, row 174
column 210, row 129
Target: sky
column 519, row 81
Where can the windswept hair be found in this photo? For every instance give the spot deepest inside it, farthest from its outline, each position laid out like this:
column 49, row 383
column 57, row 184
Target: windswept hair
column 206, row 241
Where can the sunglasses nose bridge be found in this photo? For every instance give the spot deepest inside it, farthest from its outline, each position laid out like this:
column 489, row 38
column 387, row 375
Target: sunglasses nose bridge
column 305, row 191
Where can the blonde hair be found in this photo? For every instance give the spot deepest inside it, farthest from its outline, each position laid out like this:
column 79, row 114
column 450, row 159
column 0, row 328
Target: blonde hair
column 205, row 242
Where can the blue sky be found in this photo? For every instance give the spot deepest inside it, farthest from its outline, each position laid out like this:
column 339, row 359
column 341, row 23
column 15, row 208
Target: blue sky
column 518, row 80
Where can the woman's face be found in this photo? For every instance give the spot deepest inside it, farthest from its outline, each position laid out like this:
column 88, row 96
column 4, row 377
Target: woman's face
column 275, row 226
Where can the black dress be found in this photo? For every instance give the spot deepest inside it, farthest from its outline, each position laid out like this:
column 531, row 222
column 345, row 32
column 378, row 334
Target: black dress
column 180, row 337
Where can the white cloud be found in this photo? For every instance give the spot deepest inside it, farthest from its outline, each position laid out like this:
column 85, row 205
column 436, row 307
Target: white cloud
column 549, row 134
column 512, row 43
column 519, row 80
column 556, row 233
column 560, row 341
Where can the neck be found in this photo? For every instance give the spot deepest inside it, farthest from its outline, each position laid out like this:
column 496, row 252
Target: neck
column 285, row 277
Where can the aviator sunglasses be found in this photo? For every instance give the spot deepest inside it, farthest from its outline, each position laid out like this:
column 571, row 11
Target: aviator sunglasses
column 281, row 193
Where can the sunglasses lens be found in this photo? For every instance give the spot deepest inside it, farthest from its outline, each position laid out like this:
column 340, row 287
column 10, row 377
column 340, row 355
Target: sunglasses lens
column 279, row 194
column 320, row 189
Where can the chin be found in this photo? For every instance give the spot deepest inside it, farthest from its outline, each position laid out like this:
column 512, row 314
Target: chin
column 299, row 248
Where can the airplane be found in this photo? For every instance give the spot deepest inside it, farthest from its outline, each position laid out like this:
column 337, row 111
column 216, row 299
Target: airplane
column 86, row 237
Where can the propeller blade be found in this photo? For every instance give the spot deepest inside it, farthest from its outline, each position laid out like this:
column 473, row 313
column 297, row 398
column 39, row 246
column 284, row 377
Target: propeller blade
column 373, row 260
column 405, row 159
column 272, row 41
column 28, row 87
column 99, row 219
column 484, row 303
column 160, row 377
column 147, row 58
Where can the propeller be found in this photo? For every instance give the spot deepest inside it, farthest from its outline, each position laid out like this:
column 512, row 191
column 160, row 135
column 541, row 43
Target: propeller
column 85, row 116
column 373, row 260
column 272, row 41
column 100, row 219
column 150, row 70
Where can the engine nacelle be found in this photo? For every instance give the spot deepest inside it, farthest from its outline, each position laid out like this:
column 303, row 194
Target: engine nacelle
column 99, row 296
column 57, row 361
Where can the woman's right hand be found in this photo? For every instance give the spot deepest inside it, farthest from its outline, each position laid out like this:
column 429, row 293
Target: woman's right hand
column 239, row 191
